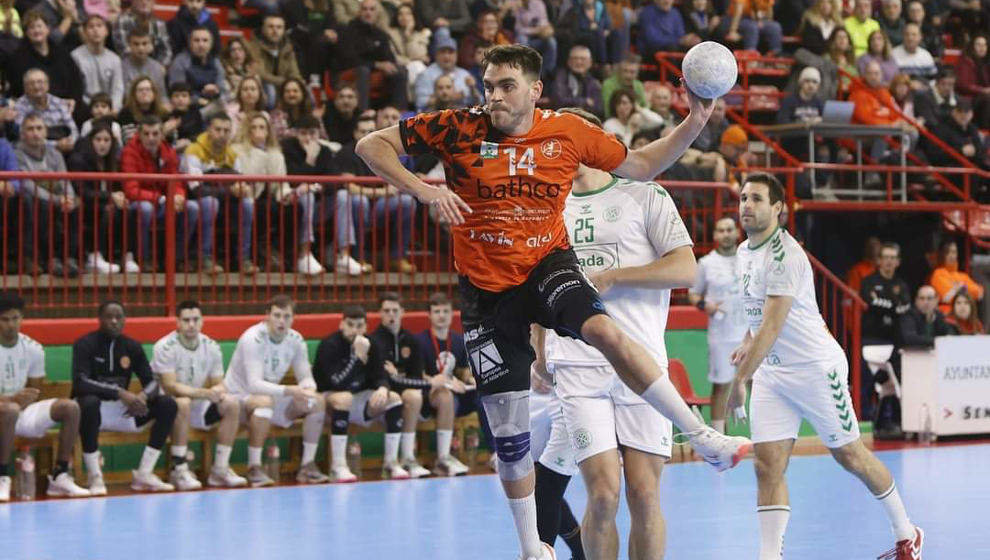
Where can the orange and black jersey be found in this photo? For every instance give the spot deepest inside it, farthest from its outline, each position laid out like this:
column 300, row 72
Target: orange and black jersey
column 516, row 186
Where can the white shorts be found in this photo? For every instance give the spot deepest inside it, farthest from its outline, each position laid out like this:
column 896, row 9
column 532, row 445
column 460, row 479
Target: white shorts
column 198, row 410
column 613, row 415
column 114, row 418
column 720, row 368
column 819, row 395
column 35, row 420
column 279, row 416
column 549, row 442
column 359, row 404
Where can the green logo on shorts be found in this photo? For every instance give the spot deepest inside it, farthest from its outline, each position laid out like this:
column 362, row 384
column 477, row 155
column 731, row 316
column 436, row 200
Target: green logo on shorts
column 841, row 404
column 582, row 438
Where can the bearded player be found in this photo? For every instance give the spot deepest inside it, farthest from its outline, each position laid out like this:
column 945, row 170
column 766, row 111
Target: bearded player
column 510, row 167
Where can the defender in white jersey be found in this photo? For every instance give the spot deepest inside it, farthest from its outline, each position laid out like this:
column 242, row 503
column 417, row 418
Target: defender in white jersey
column 716, row 292
column 22, row 372
column 798, row 371
column 189, row 365
column 263, row 356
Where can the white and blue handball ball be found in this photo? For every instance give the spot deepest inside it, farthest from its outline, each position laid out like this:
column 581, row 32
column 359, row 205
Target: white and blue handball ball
column 709, row 70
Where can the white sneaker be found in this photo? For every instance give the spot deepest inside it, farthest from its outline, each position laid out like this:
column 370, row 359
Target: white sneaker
column 145, row 482
column 63, row 485
column 307, row 264
column 414, row 469
column 96, row 263
column 130, row 265
column 450, row 466
column 719, row 450
column 548, row 554
column 96, row 485
column 183, row 479
column 225, row 478
column 342, row 474
column 347, row 265
column 394, row 471
column 4, row 488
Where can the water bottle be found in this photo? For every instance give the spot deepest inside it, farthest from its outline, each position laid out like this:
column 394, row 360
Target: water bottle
column 25, row 474
column 471, row 442
column 273, row 466
column 354, row 458
column 927, row 434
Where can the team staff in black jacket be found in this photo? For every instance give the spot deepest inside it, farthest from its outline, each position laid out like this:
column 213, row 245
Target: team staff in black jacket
column 103, row 362
column 350, row 374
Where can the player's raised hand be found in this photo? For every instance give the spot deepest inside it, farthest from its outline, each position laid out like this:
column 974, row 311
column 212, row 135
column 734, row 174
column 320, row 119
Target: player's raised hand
column 701, row 109
column 447, row 203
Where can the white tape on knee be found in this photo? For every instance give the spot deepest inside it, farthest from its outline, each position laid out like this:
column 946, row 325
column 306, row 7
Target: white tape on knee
column 264, row 412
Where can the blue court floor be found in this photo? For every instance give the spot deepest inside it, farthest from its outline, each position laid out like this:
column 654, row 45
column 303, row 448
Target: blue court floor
column 710, row 515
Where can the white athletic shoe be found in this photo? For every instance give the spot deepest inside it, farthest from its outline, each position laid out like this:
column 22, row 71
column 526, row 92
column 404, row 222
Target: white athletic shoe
column 225, row 478
column 130, row 265
column 4, row 488
column 310, row 474
column 63, row 486
column 96, row 263
column 450, row 466
column 719, row 450
column 548, row 554
column 394, row 471
column 183, row 479
column 347, row 265
column 342, row 474
column 307, row 264
column 96, row 485
column 414, row 469
column 149, row 482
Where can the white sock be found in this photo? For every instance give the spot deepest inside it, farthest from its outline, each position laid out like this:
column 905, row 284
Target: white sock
column 309, row 452
column 719, row 426
column 391, row 448
column 663, row 396
column 92, row 462
column 222, row 460
column 338, row 450
column 148, row 460
column 900, row 525
column 443, row 442
column 180, row 450
column 524, row 515
column 254, row 456
column 407, row 446
column 773, row 523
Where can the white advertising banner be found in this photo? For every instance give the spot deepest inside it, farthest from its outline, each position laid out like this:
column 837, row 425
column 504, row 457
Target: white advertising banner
column 962, row 385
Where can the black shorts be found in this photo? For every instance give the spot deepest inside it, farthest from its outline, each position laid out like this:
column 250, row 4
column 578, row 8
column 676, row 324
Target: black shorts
column 557, row 295
column 464, row 404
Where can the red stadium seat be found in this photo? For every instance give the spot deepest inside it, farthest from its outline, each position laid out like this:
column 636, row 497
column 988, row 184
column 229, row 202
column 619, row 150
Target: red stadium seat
column 679, row 377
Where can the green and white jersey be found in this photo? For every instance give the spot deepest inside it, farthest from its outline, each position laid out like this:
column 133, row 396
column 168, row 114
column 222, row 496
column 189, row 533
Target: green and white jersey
column 623, row 224
column 718, row 282
column 191, row 367
column 259, row 363
column 26, row 358
column 779, row 267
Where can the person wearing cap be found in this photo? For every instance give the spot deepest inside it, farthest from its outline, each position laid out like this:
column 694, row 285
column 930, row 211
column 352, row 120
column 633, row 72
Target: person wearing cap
column 959, row 132
column 804, row 106
column 445, row 65
column 734, row 149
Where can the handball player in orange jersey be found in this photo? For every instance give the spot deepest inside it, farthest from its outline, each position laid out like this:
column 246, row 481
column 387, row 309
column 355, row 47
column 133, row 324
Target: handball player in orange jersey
column 509, row 168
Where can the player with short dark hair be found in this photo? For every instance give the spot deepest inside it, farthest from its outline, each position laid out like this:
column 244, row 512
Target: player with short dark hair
column 509, row 168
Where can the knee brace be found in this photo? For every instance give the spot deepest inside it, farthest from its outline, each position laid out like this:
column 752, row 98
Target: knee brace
column 508, row 415
column 263, row 412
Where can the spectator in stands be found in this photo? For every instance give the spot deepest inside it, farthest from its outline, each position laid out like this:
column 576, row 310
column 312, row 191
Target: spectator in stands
column 934, row 105
column 340, row 117
column 534, row 29
column 747, row 22
column 294, row 103
column 923, row 322
column 447, row 18
column 10, row 28
column 887, row 297
column 959, row 132
column 143, row 100
column 141, row 16
column 873, row 106
column 948, row 280
column 274, row 51
column 486, row 33
column 465, row 88
column 192, row 14
column 49, row 206
column 100, row 108
column 200, row 69
column 306, row 155
column 411, row 42
column 913, row 59
column 39, row 50
column 733, row 148
column 661, row 28
column 249, row 98
column 839, row 55
column 708, row 139
column 62, row 18
column 9, row 204
column 964, row 316
column 931, row 28
column 345, row 11
column 380, row 207
column 138, row 62
column 588, row 23
column 903, row 95
column 879, row 52
column 185, row 122
column 103, row 362
column 805, row 106
column 661, row 103
column 867, row 265
column 444, row 95
column 628, row 119
column 238, row 62
column 148, row 152
column 575, row 86
column 53, row 111
column 860, row 25
column 314, row 34
column 103, row 202
column 892, row 21
column 817, row 24
column 701, row 19
column 100, row 68
column 625, row 76
column 369, row 54
column 973, row 70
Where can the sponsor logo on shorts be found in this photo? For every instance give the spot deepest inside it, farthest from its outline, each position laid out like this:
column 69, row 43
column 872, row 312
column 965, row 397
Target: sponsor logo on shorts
column 487, row 361
column 543, row 283
column 582, row 438
column 561, row 290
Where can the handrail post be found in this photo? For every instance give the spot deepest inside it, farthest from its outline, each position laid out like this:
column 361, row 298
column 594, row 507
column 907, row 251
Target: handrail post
column 170, row 239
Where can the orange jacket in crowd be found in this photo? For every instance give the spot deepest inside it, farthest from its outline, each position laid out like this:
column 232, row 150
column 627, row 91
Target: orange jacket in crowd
column 944, row 278
column 859, row 272
column 870, row 110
